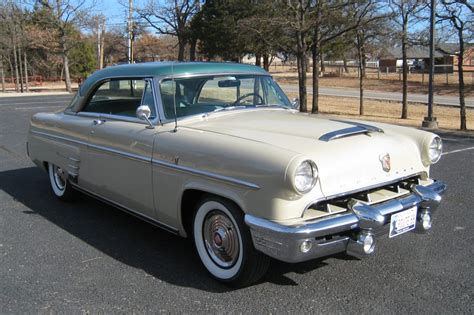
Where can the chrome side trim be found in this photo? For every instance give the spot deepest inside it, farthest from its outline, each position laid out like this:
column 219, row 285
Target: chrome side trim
column 56, row 137
column 128, row 210
column 131, row 156
column 214, row 176
column 96, row 147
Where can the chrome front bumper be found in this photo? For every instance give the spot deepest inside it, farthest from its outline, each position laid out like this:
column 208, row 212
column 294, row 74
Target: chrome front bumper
column 339, row 233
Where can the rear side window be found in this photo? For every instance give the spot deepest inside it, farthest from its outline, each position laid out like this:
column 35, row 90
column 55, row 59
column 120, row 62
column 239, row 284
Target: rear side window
column 121, row 97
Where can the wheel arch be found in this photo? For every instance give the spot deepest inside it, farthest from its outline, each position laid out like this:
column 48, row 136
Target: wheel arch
column 193, row 193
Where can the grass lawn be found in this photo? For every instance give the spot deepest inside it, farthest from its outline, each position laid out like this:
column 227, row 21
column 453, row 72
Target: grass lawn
column 390, row 112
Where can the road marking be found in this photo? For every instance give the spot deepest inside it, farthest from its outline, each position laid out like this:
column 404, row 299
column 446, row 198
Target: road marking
column 460, row 150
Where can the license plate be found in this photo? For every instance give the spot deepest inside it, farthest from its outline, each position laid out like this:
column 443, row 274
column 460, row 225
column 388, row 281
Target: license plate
column 402, row 222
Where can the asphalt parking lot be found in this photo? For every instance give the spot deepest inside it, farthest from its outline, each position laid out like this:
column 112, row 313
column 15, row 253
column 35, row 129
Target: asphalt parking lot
column 89, row 257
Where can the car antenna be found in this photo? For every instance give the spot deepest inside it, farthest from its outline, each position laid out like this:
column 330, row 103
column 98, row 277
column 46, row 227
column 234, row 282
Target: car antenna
column 174, row 99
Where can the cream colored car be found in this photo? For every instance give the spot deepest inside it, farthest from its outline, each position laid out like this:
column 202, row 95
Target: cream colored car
column 216, row 152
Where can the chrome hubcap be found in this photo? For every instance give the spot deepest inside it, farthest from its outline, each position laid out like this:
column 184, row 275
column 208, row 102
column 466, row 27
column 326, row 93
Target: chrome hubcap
column 221, row 239
column 59, row 177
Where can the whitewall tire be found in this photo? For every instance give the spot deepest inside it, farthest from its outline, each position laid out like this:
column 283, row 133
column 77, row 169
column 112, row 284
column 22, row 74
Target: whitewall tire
column 224, row 243
column 60, row 186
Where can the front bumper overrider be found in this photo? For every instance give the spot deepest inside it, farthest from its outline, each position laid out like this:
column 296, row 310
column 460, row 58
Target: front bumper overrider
column 348, row 232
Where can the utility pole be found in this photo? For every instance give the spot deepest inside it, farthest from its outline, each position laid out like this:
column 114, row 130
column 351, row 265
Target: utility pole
column 98, row 42
column 130, row 31
column 430, row 121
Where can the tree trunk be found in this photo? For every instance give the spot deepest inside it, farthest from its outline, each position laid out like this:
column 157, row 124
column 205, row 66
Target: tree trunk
column 266, row 62
column 323, row 66
column 27, row 87
column 404, row 71
column 346, row 69
column 2, row 74
column 361, row 55
column 301, row 61
column 192, row 49
column 21, row 70
column 315, row 104
column 67, row 77
column 258, row 59
column 15, row 63
column 316, row 51
column 461, row 81
column 181, row 47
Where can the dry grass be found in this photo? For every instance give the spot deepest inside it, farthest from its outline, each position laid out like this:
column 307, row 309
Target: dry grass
column 389, row 112
column 417, row 83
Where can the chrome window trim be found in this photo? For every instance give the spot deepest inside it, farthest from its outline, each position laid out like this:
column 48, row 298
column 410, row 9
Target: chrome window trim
column 128, row 210
column 160, row 79
column 222, row 178
column 93, row 88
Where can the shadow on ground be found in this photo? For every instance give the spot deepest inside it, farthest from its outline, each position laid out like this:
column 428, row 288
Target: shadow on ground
column 125, row 238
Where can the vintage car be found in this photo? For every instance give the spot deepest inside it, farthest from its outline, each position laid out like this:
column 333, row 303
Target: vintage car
column 216, row 152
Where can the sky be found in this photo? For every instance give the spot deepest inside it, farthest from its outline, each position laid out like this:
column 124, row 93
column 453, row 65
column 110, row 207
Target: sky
column 115, row 12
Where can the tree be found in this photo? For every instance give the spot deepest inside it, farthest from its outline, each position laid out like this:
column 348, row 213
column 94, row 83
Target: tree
column 371, row 28
column 333, row 19
column 171, row 17
column 65, row 17
column 404, row 13
column 457, row 15
column 83, row 59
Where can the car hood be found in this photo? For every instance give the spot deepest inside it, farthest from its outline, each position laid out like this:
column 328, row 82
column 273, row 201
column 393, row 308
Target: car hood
column 344, row 164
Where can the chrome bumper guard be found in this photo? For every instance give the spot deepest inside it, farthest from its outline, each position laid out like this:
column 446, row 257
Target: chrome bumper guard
column 343, row 232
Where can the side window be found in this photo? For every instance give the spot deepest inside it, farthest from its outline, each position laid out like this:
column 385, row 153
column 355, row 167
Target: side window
column 121, row 97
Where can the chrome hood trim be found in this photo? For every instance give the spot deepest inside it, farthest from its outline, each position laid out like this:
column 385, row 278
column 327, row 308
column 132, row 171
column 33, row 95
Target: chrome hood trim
column 358, row 128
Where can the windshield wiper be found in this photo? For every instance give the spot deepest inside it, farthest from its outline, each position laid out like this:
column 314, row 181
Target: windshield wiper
column 271, row 105
column 229, row 108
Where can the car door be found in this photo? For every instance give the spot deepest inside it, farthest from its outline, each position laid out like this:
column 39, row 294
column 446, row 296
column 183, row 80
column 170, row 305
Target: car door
column 118, row 166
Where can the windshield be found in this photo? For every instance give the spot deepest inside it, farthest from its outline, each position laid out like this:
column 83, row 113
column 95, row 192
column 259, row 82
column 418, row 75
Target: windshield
column 216, row 93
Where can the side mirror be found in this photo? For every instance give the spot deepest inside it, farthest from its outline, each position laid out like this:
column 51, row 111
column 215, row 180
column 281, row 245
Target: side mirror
column 143, row 113
column 295, row 103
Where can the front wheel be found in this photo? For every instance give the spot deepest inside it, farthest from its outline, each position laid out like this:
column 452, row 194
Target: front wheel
column 59, row 184
column 224, row 243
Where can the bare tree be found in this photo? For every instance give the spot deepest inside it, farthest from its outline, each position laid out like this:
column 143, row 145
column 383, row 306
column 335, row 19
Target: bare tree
column 171, row 17
column 332, row 20
column 371, row 29
column 67, row 16
column 404, row 13
column 457, row 15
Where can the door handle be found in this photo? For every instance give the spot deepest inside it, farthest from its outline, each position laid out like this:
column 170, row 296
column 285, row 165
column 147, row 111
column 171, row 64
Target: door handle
column 99, row 121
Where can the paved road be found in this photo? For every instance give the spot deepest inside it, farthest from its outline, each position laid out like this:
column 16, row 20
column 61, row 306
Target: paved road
column 387, row 96
column 88, row 257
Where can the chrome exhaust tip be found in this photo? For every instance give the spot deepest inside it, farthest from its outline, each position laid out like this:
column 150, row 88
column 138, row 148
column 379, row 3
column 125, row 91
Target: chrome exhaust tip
column 363, row 245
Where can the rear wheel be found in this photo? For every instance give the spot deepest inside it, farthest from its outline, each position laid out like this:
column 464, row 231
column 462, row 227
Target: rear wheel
column 224, row 243
column 59, row 183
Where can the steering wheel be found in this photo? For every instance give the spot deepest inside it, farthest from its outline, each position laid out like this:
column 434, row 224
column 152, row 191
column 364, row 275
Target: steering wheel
column 240, row 99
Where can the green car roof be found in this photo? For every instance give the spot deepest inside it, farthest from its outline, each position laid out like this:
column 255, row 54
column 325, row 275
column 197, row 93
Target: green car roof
column 153, row 69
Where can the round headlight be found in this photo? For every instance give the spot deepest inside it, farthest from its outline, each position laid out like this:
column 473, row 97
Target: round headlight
column 306, row 176
column 435, row 149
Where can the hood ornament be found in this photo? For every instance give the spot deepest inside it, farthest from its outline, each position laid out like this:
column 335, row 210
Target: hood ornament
column 385, row 160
